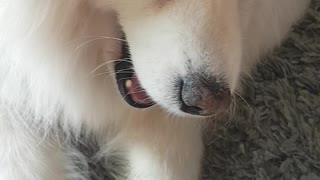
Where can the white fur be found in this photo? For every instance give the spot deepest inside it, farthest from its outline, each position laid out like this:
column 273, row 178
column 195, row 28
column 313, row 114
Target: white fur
column 56, row 70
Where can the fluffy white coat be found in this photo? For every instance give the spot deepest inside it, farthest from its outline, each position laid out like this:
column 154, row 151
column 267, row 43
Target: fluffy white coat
column 56, row 72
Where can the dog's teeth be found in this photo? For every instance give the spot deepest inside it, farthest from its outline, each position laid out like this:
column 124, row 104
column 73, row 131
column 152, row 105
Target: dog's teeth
column 128, row 84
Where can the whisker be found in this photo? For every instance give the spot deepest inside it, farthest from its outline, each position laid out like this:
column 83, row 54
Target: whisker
column 147, row 99
column 118, row 72
column 232, row 111
column 127, row 78
column 95, row 38
column 100, row 74
column 103, row 37
column 122, row 71
column 140, row 91
column 251, row 109
column 134, row 91
column 108, row 62
column 248, row 75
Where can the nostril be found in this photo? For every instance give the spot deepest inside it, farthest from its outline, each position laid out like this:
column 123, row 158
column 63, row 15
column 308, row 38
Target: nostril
column 191, row 109
column 200, row 98
column 184, row 106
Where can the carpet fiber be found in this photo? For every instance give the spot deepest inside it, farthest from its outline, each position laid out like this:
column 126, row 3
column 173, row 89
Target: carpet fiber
column 274, row 131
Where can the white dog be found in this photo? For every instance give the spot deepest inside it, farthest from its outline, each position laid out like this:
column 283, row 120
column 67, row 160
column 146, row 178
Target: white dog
column 62, row 70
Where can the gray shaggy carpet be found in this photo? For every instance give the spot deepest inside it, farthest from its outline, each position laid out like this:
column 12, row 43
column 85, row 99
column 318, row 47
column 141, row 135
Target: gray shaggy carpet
column 274, row 133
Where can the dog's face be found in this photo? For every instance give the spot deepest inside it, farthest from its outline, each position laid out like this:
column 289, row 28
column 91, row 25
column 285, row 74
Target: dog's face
column 186, row 54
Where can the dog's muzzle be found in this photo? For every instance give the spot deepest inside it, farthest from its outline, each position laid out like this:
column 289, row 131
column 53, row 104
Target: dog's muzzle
column 197, row 94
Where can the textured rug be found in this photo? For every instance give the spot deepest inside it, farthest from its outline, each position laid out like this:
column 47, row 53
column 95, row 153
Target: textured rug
column 274, row 131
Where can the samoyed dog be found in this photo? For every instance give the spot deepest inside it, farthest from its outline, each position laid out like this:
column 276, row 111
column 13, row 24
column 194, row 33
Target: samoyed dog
column 141, row 75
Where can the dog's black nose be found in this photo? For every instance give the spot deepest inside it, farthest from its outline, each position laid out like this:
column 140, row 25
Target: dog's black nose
column 204, row 97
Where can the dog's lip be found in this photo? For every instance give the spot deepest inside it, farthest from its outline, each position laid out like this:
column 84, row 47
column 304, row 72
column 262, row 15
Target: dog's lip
column 124, row 75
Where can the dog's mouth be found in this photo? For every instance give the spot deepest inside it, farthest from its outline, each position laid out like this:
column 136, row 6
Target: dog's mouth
column 128, row 82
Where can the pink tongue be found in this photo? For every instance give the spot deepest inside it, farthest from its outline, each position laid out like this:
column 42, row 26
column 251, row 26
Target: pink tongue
column 137, row 93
